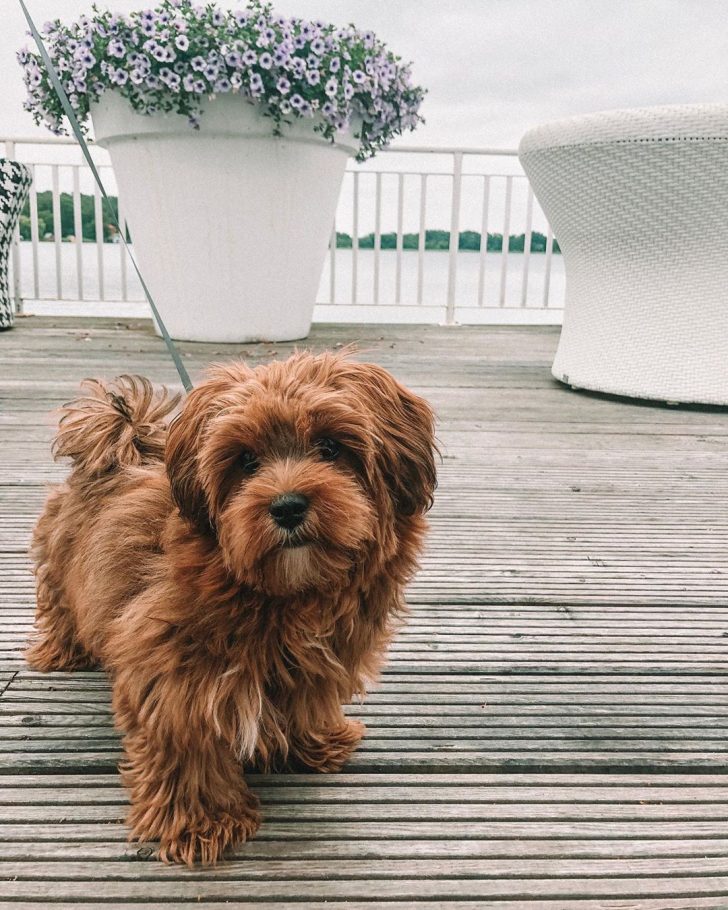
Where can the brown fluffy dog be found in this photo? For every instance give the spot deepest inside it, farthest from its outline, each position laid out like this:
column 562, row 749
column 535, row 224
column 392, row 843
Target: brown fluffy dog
column 239, row 574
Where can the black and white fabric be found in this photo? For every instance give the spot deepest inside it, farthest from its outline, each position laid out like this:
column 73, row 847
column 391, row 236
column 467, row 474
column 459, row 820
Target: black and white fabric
column 15, row 182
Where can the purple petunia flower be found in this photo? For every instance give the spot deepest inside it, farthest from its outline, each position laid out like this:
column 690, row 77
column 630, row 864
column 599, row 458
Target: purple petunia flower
column 198, row 64
column 174, row 82
column 283, row 85
column 250, row 57
column 162, row 54
column 359, row 77
column 331, row 87
column 234, row 59
column 119, row 77
column 318, row 46
column 335, row 65
column 116, row 48
column 256, row 84
column 296, row 101
column 313, row 77
column 265, row 60
column 223, row 85
column 218, row 18
column 182, row 42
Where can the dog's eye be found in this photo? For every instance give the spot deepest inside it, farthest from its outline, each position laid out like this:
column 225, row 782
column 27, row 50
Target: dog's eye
column 329, row 449
column 248, row 462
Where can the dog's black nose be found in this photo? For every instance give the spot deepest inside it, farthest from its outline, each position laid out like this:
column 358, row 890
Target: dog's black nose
column 289, row 509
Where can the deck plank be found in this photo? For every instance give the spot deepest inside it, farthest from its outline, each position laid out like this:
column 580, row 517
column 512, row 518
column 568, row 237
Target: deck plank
column 552, row 728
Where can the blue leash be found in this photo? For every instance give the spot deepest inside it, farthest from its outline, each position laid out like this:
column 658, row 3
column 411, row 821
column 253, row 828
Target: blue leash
column 75, row 126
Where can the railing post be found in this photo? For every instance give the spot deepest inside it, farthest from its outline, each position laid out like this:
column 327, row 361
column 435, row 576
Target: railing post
column 457, row 179
column 377, row 233
column 421, row 237
column 399, row 240
column 34, row 232
column 78, row 230
column 15, row 246
column 57, row 230
column 527, row 236
column 355, row 241
column 505, row 245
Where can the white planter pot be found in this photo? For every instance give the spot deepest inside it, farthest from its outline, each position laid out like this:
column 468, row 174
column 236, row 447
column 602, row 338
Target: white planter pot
column 230, row 223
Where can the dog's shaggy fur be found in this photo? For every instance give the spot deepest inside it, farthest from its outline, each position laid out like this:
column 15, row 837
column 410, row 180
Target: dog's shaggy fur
column 231, row 638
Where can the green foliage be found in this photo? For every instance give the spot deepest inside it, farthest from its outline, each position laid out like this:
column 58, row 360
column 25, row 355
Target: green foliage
column 88, row 217
column 440, row 240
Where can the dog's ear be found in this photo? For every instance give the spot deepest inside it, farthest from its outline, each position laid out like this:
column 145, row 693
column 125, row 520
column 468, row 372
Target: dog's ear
column 185, row 437
column 404, row 430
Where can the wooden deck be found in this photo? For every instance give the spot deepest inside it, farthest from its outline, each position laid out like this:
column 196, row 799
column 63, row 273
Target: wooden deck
column 552, row 728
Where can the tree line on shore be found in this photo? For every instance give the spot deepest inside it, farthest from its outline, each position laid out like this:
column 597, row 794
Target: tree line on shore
column 434, row 239
column 68, row 229
column 440, row 240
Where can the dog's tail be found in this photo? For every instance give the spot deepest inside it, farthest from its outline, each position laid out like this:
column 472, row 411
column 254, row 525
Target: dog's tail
column 114, row 424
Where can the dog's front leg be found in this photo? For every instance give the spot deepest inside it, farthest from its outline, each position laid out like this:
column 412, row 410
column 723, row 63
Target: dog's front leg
column 321, row 737
column 186, row 786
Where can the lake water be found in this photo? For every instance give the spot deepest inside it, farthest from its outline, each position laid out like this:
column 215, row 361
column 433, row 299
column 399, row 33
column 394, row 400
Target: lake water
column 434, row 284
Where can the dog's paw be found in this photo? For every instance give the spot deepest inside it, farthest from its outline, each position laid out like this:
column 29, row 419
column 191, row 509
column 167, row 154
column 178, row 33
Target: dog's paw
column 47, row 655
column 209, row 838
column 328, row 751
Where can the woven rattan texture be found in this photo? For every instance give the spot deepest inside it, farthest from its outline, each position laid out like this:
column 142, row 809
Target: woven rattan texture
column 643, row 228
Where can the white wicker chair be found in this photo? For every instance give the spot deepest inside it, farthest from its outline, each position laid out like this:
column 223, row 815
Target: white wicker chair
column 638, row 200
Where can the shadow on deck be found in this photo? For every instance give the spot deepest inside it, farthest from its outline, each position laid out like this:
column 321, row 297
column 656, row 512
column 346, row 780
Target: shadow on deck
column 551, row 730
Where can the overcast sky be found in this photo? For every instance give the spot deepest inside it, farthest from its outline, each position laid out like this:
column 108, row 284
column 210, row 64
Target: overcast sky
column 493, row 67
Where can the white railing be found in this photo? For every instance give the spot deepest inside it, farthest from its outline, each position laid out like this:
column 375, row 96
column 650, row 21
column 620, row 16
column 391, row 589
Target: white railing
column 387, row 205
